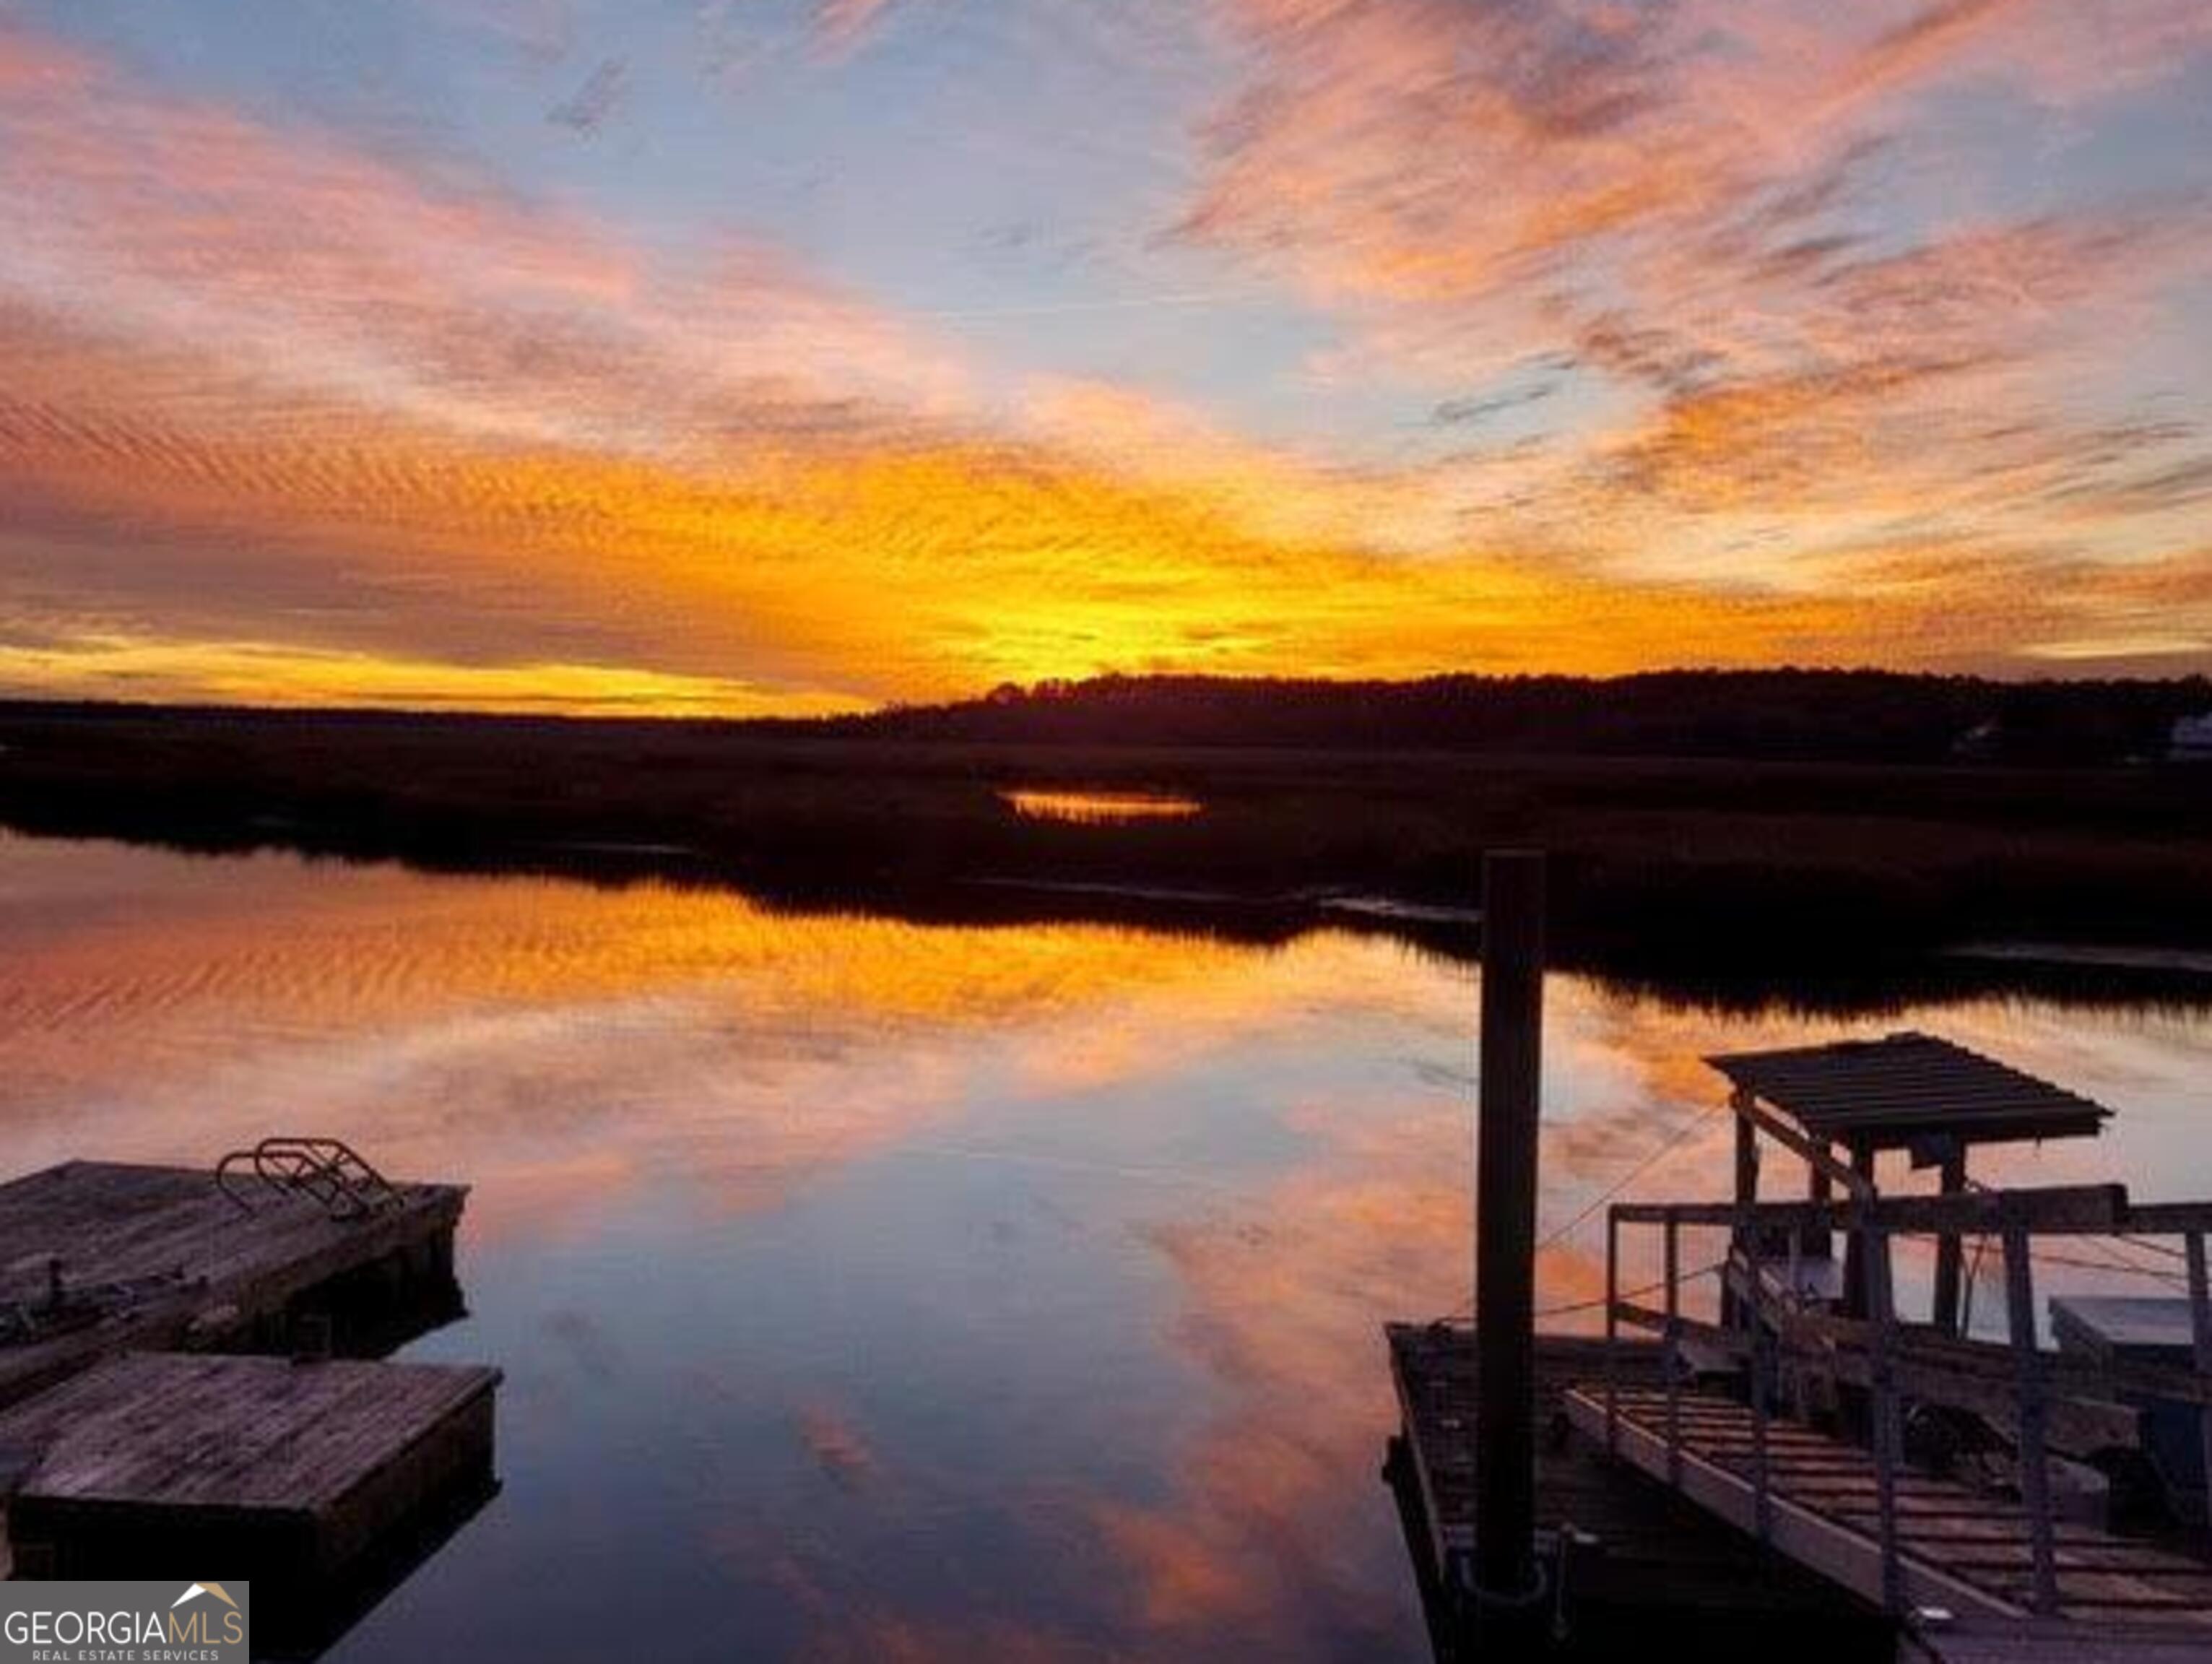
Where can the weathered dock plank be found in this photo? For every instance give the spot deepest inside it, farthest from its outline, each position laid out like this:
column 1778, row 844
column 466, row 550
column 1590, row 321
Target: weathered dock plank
column 147, row 1257
column 1656, row 1556
column 293, row 1470
column 2046, row 1644
column 1962, row 1549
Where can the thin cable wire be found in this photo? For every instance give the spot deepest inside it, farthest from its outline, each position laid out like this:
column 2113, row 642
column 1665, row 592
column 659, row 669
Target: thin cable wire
column 1674, row 1142
column 1466, row 1313
column 1598, row 1301
column 1552, row 1238
column 2078, row 1262
column 2149, row 1246
column 2165, row 1276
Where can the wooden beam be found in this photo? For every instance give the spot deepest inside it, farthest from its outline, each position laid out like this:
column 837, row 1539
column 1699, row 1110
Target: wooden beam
column 1855, row 1245
column 2096, row 1210
column 1819, row 1190
column 2166, row 1219
column 2034, row 1456
column 1671, row 1336
column 1743, row 1237
column 1888, row 1422
column 2200, row 1333
column 1815, row 1152
column 2081, row 1413
column 1612, row 1322
column 1950, row 1257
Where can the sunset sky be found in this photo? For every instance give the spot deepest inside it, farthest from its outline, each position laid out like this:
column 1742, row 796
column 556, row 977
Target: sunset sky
column 790, row 356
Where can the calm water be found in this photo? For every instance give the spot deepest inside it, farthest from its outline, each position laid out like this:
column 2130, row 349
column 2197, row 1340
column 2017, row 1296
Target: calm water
column 868, row 1290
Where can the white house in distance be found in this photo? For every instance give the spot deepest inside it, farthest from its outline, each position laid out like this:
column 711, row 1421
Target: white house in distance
column 2191, row 739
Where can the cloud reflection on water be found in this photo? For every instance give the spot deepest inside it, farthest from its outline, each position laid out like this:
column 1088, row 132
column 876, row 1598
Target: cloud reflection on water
column 868, row 1288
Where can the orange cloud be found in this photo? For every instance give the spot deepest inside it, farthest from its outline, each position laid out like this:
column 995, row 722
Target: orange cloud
column 1675, row 206
column 337, row 424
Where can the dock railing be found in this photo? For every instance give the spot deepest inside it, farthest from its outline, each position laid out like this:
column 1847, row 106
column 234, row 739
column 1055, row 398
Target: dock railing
column 328, row 1170
column 2041, row 1394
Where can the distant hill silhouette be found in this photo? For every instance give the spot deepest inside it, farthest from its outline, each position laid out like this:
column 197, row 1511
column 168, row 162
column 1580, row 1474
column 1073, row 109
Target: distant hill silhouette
column 1794, row 714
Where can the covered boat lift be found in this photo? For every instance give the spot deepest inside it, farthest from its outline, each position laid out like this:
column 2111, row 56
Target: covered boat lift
column 1839, row 1106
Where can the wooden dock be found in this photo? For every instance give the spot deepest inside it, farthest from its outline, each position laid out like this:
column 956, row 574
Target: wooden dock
column 1741, row 1523
column 1963, row 1550
column 1966, row 1569
column 1636, row 1549
column 96, row 1257
column 297, row 1471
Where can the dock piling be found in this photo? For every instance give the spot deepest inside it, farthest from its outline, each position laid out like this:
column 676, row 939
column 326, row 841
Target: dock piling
column 1505, row 1225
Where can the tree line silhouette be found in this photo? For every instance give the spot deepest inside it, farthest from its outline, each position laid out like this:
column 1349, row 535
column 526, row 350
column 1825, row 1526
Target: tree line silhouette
column 1782, row 714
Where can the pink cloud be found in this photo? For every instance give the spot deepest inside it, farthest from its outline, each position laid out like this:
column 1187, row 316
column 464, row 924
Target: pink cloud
column 274, row 389
column 844, row 24
column 407, row 286
column 1686, row 206
column 1532, row 152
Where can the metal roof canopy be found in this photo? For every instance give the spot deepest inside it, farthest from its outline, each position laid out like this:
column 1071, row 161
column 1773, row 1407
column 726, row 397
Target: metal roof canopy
column 1909, row 1089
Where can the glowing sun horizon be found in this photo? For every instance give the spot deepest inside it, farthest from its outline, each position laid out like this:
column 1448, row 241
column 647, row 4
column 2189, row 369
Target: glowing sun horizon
column 758, row 357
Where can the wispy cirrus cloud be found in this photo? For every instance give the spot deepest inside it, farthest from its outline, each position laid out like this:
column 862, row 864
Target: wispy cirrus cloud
column 411, row 283
column 292, row 406
column 1716, row 217
column 1547, row 149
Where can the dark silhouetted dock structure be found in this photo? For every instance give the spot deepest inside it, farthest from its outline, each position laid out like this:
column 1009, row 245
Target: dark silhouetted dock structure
column 1740, row 1486
column 1929, row 1097
column 1620, row 1551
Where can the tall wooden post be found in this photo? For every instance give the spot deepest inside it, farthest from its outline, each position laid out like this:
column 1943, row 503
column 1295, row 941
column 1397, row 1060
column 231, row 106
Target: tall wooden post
column 1855, row 1248
column 1743, row 1250
column 2034, row 1459
column 1950, row 1256
column 1873, row 1240
column 2200, row 1333
column 1505, row 1224
column 1818, row 1241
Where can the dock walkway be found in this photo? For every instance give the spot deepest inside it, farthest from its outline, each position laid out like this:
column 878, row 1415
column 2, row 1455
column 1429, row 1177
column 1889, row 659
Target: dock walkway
column 96, row 1257
column 1962, row 1550
column 296, row 1470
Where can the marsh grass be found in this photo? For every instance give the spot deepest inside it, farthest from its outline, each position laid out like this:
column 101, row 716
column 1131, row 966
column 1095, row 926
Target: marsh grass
column 1656, row 862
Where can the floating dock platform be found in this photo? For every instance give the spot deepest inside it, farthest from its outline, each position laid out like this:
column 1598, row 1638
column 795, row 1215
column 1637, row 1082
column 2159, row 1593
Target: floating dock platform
column 99, row 1257
column 299, row 1471
column 1639, row 1553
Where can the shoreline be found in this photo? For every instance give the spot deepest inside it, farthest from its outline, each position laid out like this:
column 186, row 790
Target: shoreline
column 1690, row 870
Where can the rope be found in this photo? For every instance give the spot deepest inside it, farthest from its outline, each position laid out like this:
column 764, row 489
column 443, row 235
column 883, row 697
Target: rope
column 2122, row 1237
column 1674, row 1143
column 1466, row 1313
column 1597, row 1301
column 1554, row 1237
column 2078, row 1262
column 2165, row 1276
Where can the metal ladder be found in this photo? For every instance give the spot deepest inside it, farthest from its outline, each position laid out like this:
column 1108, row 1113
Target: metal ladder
column 327, row 1171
